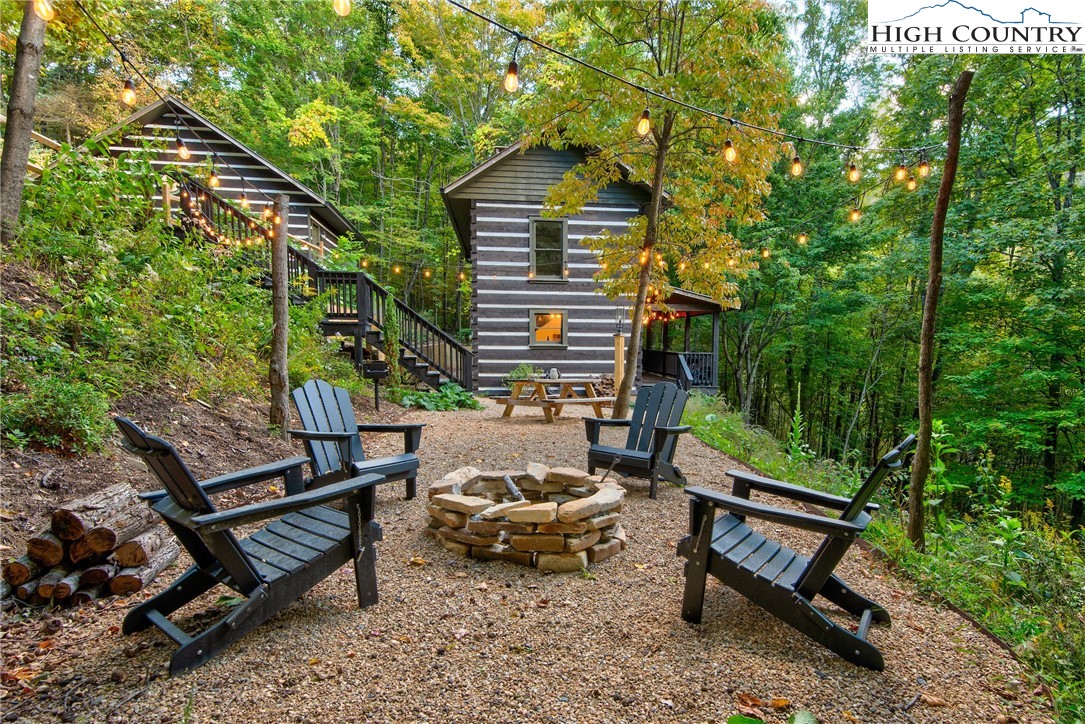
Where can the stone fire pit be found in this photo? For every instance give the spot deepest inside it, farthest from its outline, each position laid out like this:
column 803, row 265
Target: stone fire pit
column 556, row 519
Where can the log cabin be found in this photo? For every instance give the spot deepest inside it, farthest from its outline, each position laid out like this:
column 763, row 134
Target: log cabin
column 534, row 298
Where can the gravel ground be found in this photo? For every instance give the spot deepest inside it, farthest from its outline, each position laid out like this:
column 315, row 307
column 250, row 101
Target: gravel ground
column 460, row 640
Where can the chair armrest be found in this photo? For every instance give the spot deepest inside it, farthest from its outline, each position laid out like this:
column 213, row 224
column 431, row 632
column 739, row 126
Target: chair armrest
column 660, row 435
column 321, row 436
column 245, row 514
column 241, row 478
column 412, row 434
column 792, row 518
column 592, row 425
column 745, row 481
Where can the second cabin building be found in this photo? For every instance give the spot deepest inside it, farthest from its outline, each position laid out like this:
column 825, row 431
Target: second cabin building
column 534, row 299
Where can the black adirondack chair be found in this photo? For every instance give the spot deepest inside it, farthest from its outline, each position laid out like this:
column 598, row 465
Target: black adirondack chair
column 334, row 443
column 306, row 543
column 653, row 435
column 774, row 577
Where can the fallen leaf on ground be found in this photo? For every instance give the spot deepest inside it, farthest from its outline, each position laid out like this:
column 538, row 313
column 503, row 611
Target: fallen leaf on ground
column 779, row 702
column 417, row 561
column 932, row 700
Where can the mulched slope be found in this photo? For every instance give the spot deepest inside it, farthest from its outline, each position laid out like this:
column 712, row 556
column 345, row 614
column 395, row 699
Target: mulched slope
column 460, row 640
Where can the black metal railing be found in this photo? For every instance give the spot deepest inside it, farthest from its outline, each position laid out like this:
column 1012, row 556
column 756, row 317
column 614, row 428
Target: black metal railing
column 687, row 369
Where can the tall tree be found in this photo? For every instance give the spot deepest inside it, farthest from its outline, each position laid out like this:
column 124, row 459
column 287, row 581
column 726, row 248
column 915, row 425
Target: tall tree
column 20, row 119
column 718, row 55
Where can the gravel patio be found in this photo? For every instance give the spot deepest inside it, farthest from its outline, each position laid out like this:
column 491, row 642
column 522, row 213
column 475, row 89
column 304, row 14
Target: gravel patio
column 454, row 639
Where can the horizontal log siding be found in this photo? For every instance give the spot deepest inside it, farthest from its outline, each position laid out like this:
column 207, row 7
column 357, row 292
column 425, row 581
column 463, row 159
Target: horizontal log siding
column 261, row 184
column 503, row 296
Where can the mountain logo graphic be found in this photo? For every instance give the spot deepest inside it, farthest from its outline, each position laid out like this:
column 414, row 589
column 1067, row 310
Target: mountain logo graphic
column 1029, row 15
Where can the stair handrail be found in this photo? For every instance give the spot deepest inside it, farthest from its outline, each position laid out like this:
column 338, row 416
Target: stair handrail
column 684, row 378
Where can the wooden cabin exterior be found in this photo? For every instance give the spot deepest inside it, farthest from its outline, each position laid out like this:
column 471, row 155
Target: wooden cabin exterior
column 533, row 296
column 315, row 224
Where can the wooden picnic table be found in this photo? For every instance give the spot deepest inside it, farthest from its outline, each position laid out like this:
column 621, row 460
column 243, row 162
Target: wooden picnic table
column 532, row 393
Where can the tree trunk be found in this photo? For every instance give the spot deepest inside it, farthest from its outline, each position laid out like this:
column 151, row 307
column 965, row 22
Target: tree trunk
column 632, row 353
column 921, row 466
column 280, row 301
column 20, row 121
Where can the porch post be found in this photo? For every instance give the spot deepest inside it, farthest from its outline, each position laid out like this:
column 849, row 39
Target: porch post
column 666, row 335
column 649, row 336
column 716, row 350
column 686, row 344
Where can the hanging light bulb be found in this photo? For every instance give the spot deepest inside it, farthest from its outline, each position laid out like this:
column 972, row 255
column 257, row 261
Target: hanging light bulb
column 128, row 93
column 462, row 276
column 395, row 269
column 681, row 266
column 44, row 10
column 512, row 77
column 803, row 238
column 244, row 200
column 901, row 173
column 911, row 183
column 730, row 154
column 341, row 7
column 213, row 179
column 853, row 173
column 924, row 169
column 765, row 253
column 365, row 263
column 644, row 124
column 426, row 273
column 731, row 261
column 855, row 215
column 530, row 274
column 182, row 150
column 277, row 220
column 267, row 211
column 796, row 166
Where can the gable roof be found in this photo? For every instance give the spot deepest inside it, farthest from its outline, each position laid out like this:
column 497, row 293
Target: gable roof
column 299, row 192
column 455, row 193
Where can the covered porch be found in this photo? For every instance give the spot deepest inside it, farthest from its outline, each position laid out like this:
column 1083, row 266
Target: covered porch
column 678, row 350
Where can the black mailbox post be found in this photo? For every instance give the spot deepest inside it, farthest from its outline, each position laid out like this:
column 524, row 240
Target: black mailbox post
column 375, row 370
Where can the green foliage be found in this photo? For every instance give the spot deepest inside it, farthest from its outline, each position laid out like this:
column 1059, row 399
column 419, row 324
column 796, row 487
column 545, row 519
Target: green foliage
column 522, row 371
column 450, row 397
column 390, row 334
column 54, row 413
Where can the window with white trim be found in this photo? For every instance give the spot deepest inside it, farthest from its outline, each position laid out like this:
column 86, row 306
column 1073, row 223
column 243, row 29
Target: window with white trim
column 549, row 249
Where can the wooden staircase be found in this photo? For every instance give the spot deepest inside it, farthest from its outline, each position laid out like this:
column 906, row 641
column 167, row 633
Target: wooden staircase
column 356, row 306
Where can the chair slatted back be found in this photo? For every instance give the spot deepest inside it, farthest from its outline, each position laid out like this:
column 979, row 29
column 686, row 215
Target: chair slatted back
column 184, row 492
column 659, row 406
column 832, row 549
column 323, row 408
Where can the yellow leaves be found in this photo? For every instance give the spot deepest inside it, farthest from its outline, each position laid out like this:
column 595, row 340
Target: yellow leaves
column 417, row 561
column 307, row 126
column 409, row 111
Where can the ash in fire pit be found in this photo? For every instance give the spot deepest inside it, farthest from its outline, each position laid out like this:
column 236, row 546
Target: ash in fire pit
column 556, row 519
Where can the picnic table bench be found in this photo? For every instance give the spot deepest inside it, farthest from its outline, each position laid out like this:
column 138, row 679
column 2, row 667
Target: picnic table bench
column 532, row 393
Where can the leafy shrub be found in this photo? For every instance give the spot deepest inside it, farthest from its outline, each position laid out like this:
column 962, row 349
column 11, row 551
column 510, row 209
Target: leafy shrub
column 450, row 397
column 520, row 372
column 55, row 413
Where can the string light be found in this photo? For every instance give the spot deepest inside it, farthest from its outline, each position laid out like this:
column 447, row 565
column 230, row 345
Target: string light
column 182, row 150
column 365, row 263
column 530, row 274
column 765, row 253
column 853, row 173
column 901, row 173
column 277, row 220
column 512, row 79
column 395, row 269
column 341, row 7
column 44, row 10
column 924, row 168
column 425, row 273
column 244, row 200
column 911, row 183
column 803, row 238
column 213, row 179
column 730, row 154
column 681, row 266
column 855, row 215
column 644, row 123
column 462, row 276
column 796, row 166
column 128, row 93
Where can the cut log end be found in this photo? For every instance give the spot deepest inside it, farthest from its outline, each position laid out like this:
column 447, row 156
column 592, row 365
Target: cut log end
column 45, row 549
column 131, row 580
column 20, row 570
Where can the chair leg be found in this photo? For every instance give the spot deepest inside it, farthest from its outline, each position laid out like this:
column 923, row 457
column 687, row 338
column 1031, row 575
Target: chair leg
column 191, row 584
column 411, row 488
column 812, row 622
column 854, row 603
column 653, row 484
column 699, row 547
column 365, row 533
column 591, row 469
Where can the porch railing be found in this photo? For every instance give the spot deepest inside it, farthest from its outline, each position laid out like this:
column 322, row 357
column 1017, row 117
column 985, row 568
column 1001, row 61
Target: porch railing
column 687, row 369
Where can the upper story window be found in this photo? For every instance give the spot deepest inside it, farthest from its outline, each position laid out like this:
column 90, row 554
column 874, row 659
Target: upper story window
column 549, row 248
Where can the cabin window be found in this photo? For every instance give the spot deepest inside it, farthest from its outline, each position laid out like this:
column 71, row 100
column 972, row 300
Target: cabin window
column 548, row 328
column 549, row 248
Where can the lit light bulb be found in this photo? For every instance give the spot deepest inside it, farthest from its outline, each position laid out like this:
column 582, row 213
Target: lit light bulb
column 855, row 215
column 765, row 253
column 853, row 173
column 44, row 10
column 924, row 169
column 277, row 220
column 267, row 211
column 911, row 183
column 731, row 261
column 644, row 124
column 462, row 276
column 213, row 179
column 803, row 238
column 182, row 150
column 341, row 7
column 426, row 273
column 365, row 263
column 901, row 173
column 244, row 201
column 796, row 166
column 512, row 78
column 128, row 94
column 531, row 275
column 681, row 266
column 729, row 151
column 395, row 269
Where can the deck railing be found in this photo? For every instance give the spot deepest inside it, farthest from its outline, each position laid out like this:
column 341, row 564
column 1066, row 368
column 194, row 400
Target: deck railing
column 687, row 369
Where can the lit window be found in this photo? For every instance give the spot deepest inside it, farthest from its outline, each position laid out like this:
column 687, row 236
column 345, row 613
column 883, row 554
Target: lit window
column 549, row 242
column 548, row 328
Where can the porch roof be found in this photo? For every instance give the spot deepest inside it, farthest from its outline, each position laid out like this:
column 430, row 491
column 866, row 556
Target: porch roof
column 688, row 304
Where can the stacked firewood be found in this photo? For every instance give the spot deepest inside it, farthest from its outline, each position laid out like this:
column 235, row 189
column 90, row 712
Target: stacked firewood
column 108, row 543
